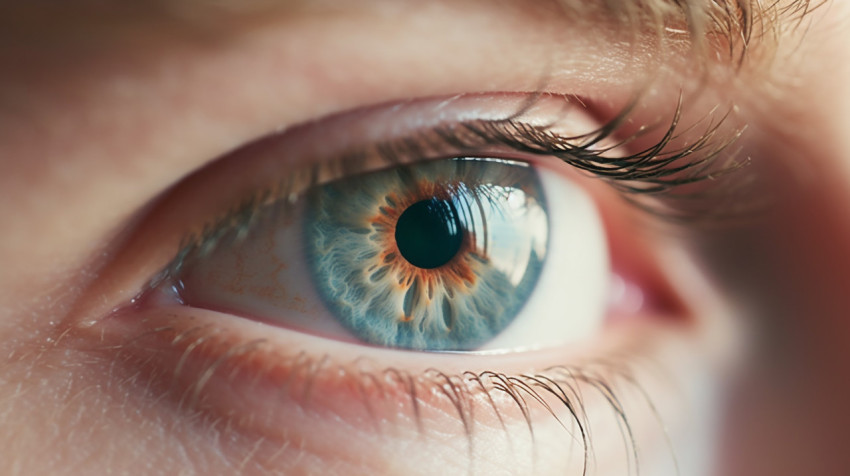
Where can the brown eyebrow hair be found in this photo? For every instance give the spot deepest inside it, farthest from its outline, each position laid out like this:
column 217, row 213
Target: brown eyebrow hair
column 721, row 28
column 724, row 30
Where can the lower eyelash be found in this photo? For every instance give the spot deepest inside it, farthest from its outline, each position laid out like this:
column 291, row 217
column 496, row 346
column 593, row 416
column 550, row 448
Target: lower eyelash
column 190, row 366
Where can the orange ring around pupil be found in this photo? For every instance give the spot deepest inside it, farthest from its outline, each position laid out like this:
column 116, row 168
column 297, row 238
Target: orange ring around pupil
column 429, row 233
column 456, row 302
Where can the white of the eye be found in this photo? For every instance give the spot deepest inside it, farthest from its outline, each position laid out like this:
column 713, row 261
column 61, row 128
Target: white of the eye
column 569, row 301
column 262, row 279
column 265, row 277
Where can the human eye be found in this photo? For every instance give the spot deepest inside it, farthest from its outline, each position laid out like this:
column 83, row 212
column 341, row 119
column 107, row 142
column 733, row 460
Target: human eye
column 439, row 254
column 303, row 288
column 249, row 292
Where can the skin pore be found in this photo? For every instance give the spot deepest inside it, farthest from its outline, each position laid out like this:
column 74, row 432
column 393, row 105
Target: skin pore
column 124, row 129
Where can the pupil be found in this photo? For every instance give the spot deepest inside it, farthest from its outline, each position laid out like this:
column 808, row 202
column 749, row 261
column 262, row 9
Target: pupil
column 428, row 233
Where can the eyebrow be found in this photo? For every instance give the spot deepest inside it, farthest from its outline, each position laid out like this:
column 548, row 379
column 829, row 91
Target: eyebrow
column 713, row 26
column 725, row 30
column 710, row 27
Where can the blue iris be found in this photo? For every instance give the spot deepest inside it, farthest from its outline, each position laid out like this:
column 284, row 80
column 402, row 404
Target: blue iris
column 441, row 255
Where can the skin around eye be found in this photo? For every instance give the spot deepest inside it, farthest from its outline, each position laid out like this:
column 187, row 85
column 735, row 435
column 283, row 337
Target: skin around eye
column 294, row 388
column 352, row 238
column 104, row 108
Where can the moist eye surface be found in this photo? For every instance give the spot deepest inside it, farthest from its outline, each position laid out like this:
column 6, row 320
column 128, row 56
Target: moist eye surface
column 481, row 254
column 440, row 255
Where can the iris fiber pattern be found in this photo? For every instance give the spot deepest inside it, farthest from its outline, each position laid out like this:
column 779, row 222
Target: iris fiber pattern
column 478, row 229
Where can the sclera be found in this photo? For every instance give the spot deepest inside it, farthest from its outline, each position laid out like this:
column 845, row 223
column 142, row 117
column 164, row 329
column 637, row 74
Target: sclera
column 263, row 277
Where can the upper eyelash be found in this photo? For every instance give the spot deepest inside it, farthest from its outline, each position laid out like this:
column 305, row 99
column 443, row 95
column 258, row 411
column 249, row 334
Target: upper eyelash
column 655, row 170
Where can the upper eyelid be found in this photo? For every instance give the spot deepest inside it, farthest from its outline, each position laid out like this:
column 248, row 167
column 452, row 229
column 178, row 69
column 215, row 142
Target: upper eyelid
column 178, row 143
column 655, row 168
column 636, row 172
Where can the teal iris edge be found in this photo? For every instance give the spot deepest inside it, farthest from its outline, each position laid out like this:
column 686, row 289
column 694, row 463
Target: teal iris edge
column 343, row 253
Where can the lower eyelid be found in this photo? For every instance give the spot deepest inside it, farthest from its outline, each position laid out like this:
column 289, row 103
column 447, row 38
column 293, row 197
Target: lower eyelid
column 281, row 387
